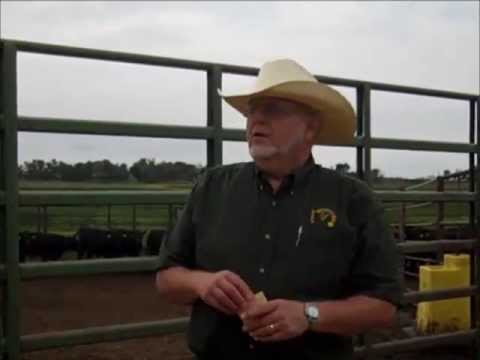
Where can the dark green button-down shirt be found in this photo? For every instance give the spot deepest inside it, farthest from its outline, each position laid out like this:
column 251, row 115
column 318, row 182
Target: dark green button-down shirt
column 321, row 236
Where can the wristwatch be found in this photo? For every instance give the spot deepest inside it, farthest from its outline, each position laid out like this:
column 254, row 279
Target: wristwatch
column 311, row 313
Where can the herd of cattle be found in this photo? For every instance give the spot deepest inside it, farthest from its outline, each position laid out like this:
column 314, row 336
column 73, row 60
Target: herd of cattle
column 89, row 243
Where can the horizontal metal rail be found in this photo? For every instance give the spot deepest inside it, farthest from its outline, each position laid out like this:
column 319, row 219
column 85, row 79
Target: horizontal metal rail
column 91, row 127
column 423, row 196
column 102, row 334
column 36, row 270
column 88, row 267
column 94, row 54
column 422, row 145
column 113, row 333
column 464, row 337
column 421, row 259
column 113, row 128
column 414, row 297
column 131, row 197
column 432, row 224
column 94, row 335
column 410, row 247
column 80, row 197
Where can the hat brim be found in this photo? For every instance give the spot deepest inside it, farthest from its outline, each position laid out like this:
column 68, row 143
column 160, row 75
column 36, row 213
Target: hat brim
column 336, row 113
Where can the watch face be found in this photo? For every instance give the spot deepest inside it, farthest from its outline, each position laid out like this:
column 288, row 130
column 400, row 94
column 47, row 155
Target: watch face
column 312, row 311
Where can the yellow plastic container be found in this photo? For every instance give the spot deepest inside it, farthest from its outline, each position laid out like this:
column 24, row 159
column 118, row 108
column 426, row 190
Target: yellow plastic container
column 444, row 315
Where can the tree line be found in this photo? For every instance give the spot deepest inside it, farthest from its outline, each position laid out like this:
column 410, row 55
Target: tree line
column 143, row 170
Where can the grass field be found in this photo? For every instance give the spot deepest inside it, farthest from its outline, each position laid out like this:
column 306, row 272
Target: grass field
column 67, row 220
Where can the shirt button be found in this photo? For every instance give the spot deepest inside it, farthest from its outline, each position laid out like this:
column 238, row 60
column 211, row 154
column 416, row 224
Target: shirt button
column 251, row 346
column 274, row 203
column 267, row 236
column 261, row 187
column 291, row 193
column 262, row 270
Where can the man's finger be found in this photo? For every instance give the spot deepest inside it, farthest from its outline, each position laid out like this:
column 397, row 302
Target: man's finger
column 224, row 300
column 241, row 286
column 266, row 331
column 232, row 293
column 214, row 303
column 252, row 325
column 258, row 310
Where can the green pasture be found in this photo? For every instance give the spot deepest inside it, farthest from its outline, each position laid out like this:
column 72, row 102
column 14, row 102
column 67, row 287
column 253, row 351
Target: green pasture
column 67, row 219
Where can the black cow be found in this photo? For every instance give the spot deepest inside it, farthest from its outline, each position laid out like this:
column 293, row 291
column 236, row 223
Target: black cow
column 48, row 247
column 154, row 239
column 108, row 243
column 127, row 242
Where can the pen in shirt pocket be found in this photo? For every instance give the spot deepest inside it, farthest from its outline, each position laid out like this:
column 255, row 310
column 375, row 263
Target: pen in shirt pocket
column 299, row 235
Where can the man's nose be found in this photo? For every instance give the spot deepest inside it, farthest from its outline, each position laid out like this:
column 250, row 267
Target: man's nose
column 258, row 116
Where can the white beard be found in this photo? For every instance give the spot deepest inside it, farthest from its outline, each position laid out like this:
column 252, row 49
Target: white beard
column 267, row 151
column 262, row 151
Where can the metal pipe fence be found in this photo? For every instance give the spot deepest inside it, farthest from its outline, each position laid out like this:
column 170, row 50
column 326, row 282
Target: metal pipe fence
column 13, row 344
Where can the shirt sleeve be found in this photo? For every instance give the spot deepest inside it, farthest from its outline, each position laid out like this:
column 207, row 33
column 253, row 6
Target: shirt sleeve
column 375, row 270
column 178, row 249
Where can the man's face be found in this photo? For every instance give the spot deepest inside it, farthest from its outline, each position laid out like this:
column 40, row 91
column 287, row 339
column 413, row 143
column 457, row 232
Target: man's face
column 276, row 127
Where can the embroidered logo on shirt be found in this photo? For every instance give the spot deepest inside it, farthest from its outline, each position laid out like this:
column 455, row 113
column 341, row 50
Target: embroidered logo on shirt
column 323, row 215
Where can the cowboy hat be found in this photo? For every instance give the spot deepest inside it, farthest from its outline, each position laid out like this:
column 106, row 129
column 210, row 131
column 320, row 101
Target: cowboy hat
column 288, row 80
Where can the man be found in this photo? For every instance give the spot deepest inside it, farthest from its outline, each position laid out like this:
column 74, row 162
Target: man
column 312, row 240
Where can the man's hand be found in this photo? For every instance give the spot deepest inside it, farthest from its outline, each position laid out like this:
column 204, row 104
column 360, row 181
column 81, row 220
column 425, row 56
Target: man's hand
column 225, row 291
column 274, row 320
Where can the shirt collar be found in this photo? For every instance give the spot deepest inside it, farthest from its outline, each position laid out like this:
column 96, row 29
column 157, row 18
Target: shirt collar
column 295, row 178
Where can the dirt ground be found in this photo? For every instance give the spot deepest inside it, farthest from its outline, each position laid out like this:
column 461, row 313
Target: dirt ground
column 61, row 304
column 78, row 302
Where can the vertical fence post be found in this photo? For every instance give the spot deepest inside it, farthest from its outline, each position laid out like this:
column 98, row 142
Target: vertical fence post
column 363, row 157
column 360, row 106
column 440, row 209
column 109, row 217
column 402, row 226
column 9, row 212
column 170, row 217
column 134, row 217
column 39, row 219
column 45, row 219
column 475, row 212
column 214, row 116
column 367, row 156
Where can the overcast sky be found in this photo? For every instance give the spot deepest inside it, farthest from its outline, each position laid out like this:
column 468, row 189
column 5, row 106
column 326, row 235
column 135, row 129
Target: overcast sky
column 425, row 44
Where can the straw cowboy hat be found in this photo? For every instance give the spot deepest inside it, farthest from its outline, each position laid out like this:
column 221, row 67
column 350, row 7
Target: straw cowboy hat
column 288, row 80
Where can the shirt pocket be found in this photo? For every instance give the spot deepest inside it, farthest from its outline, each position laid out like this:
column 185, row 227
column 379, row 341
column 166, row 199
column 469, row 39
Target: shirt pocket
column 322, row 257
